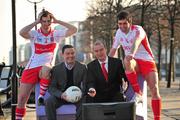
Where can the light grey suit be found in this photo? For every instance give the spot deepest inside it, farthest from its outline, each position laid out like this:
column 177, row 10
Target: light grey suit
column 58, row 86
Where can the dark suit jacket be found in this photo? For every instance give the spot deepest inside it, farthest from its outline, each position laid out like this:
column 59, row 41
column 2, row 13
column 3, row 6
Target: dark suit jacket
column 95, row 79
column 59, row 78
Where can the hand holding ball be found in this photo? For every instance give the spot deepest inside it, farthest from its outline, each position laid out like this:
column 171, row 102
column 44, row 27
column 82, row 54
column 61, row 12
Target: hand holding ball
column 73, row 94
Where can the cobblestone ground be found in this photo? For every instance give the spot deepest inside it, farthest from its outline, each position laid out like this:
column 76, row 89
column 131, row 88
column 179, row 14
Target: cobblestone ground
column 170, row 104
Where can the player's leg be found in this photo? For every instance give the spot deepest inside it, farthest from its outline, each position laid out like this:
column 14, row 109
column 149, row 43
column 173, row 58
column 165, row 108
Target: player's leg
column 130, row 69
column 44, row 76
column 28, row 80
column 152, row 81
column 23, row 95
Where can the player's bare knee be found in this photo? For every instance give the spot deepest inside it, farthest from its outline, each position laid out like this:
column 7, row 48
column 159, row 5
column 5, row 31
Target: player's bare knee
column 129, row 66
column 45, row 72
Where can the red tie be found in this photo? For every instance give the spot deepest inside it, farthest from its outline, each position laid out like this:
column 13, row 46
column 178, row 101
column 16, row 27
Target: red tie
column 104, row 71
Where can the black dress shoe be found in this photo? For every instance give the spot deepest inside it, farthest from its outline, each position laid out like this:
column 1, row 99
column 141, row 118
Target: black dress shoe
column 40, row 101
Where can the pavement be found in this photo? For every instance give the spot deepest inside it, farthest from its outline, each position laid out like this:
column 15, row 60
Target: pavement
column 170, row 104
column 170, row 101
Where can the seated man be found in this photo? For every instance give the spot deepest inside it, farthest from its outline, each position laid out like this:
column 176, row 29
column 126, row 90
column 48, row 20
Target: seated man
column 106, row 77
column 66, row 74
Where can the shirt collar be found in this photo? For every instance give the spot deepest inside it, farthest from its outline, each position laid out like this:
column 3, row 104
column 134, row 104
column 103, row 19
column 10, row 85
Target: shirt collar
column 106, row 61
column 69, row 66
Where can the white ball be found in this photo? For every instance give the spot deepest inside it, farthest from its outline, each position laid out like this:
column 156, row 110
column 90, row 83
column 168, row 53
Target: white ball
column 73, row 94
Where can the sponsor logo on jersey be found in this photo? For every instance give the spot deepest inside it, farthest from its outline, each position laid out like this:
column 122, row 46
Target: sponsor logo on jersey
column 40, row 48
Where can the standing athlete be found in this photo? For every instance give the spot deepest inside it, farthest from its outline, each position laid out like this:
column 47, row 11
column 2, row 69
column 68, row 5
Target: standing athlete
column 138, row 59
column 43, row 43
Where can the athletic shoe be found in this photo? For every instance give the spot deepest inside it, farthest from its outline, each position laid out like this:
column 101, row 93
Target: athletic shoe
column 40, row 101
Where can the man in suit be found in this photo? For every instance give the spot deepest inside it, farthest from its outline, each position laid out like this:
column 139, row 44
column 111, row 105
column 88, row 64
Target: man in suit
column 66, row 74
column 106, row 77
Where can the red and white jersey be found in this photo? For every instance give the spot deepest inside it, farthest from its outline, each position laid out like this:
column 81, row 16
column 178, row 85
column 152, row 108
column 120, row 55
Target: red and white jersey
column 127, row 40
column 44, row 47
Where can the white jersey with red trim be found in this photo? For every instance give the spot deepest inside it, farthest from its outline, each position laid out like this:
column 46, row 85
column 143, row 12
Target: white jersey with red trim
column 127, row 40
column 44, row 47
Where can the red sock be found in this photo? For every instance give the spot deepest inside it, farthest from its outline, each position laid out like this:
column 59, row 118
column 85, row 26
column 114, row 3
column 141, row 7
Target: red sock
column 132, row 77
column 156, row 107
column 44, row 83
column 20, row 113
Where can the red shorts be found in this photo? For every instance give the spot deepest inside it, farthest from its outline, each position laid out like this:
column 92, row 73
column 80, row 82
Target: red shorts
column 31, row 75
column 145, row 67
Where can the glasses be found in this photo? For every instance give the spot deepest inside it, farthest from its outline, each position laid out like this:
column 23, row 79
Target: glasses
column 46, row 21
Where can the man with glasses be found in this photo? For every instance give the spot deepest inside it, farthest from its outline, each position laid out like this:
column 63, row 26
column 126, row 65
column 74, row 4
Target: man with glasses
column 43, row 43
column 139, row 59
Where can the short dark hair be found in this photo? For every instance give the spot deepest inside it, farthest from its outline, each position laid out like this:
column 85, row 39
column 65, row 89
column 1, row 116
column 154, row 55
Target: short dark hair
column 65, row 47
column 124, row 15
column 45, row 13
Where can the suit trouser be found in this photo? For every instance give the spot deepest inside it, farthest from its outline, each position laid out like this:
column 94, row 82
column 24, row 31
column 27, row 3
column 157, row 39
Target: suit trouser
column 52, row 103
